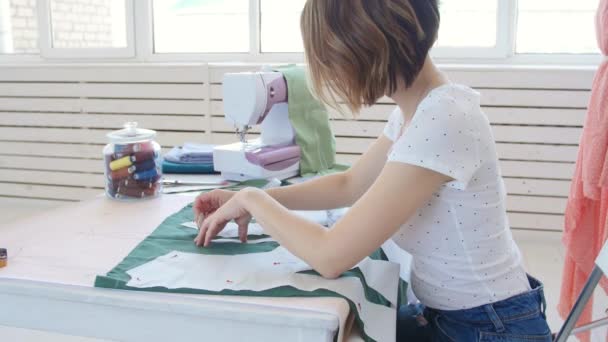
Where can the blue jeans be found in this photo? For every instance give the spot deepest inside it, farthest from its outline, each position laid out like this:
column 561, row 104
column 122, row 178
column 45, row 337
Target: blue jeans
column 519, row 318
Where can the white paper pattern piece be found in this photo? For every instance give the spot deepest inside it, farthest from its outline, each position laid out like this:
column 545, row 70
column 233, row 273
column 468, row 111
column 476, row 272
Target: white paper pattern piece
column 317, row 216
column 232, row 229
column 190, row 224
column 374, row 271
column 397, row 255
column 263, row 271
column 239, row 241
column 323, row 217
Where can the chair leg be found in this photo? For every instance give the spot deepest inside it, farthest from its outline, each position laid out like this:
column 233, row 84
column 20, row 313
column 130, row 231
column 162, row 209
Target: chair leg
column 579, row 306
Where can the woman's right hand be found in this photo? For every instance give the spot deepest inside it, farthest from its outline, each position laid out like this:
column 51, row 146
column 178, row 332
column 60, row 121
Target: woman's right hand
column 207, row 203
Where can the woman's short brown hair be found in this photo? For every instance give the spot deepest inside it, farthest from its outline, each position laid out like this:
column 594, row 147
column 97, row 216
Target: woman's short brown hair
column 358, row 50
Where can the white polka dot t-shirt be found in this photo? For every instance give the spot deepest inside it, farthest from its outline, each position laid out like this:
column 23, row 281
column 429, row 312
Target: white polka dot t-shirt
column 463, row 252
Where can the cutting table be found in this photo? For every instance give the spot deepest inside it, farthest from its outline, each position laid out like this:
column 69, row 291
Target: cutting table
column 54, row 257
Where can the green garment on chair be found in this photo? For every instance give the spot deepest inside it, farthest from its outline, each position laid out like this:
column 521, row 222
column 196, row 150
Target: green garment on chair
column 310, row 120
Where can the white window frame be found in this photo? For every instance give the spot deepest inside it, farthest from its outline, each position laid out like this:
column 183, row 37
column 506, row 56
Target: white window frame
column 145, row 51
column 504, row 27
column 579, row 59
column 140, row 44
column 45, row 38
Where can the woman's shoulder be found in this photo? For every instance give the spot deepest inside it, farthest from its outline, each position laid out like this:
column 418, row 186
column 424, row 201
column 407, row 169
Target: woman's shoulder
column 450, row 107
column 449, row 104
column 453, row 95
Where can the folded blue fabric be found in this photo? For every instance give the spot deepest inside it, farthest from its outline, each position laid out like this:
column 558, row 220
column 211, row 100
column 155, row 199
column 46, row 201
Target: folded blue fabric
column 191, row 154
column 170, row 167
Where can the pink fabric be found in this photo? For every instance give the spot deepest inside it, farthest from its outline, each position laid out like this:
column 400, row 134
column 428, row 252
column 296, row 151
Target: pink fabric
column 586, row 225
column 601, row 25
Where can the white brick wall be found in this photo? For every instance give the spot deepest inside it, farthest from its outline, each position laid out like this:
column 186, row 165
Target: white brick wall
column 24, row 26
column 76, row 24
column 81, row 23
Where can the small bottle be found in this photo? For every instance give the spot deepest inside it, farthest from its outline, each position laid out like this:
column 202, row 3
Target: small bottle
column 133, row 165
column 3, row 257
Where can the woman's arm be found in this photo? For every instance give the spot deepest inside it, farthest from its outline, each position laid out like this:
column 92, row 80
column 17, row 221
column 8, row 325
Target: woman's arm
column 397, row 193
column 337, row 190
column 329, row 192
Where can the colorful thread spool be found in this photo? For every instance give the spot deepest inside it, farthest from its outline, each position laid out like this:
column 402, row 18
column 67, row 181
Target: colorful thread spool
column 133, row 184
column 130, row 183
column 121, row 151
column 3, row 257
column 127, row 171
column 143, row 166
column 144, row 175
column 139, row 157
column 121, row 163
column 123, row 193
column 120, row 174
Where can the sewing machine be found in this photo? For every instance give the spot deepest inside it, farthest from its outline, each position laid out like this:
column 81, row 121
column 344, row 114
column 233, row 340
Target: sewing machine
column 250, row 99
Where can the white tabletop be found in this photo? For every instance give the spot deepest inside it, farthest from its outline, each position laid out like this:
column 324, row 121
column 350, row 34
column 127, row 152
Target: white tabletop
column 59, row 253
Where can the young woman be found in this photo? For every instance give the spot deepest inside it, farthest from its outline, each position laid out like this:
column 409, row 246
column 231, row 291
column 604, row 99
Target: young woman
column 431, row 182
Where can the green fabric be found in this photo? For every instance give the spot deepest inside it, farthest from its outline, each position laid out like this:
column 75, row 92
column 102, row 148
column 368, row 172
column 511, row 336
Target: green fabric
column 169, row 167
column 310, row 120
column 172, row 236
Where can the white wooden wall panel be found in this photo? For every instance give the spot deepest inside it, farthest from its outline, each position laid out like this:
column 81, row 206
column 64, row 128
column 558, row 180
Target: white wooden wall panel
column 70, row 105
column 535, row 116
column 537, row 187
column 537, row 152
column 44, row 149
column 21, row 162
column 533, row 77
column 58, row 120
column 535, row 98
column 53, row 121
column 535, row 169
column 104, row 90
column 530, row 204
column 88, row 136
column 111, row 73
column 54, row 118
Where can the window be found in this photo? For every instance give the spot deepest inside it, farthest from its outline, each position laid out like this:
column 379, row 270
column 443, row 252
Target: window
column 203, row 26
column 468, row 23
column 86, row 29
column 88, row 24
column 280, row 25
column 465, row 23
column 556, row 26
column 473, row 31
column 18, row 27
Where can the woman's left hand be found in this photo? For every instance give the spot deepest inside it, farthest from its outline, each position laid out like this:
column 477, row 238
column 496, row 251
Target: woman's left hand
column 235, row 210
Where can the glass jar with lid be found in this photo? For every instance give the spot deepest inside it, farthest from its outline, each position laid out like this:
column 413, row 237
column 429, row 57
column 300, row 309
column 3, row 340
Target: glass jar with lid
column 132, row 164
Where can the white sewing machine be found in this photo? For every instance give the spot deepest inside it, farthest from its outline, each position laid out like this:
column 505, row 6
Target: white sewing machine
column 258, row 98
